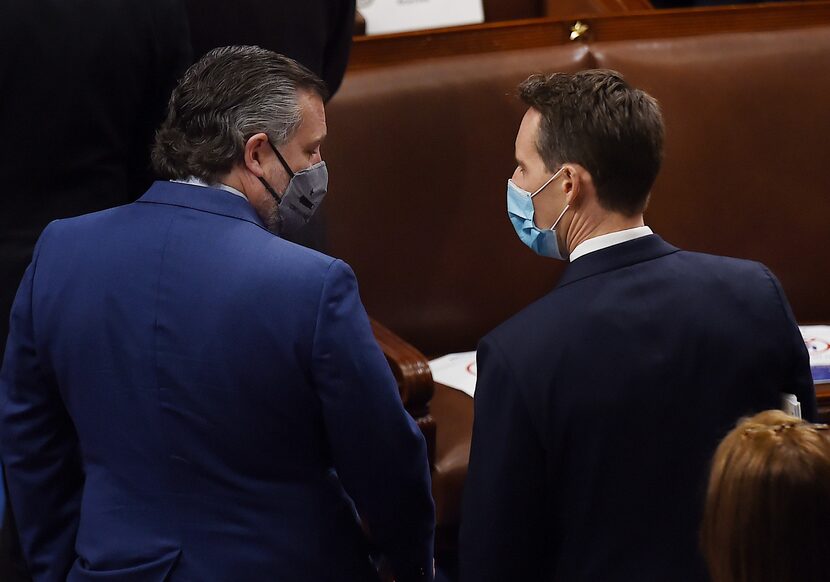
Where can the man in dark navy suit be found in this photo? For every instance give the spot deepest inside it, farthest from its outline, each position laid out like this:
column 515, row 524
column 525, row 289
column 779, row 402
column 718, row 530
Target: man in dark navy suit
column 185, row 395
column 598, row 407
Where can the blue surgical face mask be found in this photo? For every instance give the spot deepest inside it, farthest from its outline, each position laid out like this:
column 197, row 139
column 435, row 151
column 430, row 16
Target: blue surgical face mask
column 520, row 210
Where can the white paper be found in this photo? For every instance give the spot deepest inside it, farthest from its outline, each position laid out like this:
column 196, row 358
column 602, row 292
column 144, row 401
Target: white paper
column 817, row 340
column 791, row 405
column 383, row 16
column 456, row 371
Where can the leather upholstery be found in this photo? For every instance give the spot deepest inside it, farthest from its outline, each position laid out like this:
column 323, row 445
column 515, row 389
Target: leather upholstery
column 744, row 173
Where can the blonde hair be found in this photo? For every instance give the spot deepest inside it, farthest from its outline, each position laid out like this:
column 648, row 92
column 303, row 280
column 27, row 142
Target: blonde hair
column 767, row 514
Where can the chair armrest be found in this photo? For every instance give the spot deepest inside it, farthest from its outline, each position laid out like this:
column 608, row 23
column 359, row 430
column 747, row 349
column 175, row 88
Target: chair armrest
column 415, row 385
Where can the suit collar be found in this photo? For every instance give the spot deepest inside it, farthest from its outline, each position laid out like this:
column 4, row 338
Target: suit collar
column 202, row 198
column 616, row 257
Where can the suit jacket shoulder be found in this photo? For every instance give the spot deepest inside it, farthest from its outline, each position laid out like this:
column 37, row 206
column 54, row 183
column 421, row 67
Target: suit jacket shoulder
column 610, row 391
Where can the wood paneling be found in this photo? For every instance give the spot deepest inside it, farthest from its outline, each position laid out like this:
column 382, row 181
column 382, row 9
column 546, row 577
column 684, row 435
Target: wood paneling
column 382, row 50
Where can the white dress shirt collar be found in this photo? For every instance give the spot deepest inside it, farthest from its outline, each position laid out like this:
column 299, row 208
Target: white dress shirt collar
column 608, row 240
column 197, row 182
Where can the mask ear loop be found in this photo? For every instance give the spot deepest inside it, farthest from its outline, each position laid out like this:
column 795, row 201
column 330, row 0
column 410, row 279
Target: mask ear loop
column 564, row 210
column 270, row 190
column 551, row 179
column 545, row 185
column 282, row 160
column 285, row 165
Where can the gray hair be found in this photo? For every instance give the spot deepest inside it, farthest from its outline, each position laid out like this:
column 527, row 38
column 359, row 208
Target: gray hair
column 229, row 95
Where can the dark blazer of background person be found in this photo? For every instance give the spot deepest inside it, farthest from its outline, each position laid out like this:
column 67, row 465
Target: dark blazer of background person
column 599, row 406
column 317, row 33
column 212, row 424
column 83, row 85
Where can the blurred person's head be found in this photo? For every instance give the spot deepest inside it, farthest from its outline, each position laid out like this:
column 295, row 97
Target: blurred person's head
column 248, row 118
column 587, row 152
column 768, row 503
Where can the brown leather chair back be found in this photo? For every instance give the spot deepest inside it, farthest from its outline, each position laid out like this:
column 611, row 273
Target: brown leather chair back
column 745, row 171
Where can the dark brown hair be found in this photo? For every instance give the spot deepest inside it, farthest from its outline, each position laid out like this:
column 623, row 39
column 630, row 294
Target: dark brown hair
column 595, row 119
column 229, row 95
column 768, row 504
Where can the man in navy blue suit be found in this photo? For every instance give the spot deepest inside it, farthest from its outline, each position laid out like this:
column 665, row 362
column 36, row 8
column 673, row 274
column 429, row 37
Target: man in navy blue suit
column 598, row 407
column 185, row 395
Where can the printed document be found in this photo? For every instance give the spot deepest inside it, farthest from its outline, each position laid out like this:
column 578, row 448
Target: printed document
column 386, row 16
column 456, row 371
column 817, row 339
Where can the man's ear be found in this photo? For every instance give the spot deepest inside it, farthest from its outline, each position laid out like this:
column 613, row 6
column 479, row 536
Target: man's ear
column 256, row 152
column 572, row 183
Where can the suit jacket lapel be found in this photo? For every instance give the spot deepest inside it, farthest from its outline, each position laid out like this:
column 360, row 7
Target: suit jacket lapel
column 616, row 257
column 210, row 200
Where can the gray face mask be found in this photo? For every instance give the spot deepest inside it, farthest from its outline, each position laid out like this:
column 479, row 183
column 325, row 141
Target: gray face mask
column 302, row 197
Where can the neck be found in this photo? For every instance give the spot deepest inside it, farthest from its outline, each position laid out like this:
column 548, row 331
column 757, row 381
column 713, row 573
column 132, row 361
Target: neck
column 233, row 180
column 585, row 226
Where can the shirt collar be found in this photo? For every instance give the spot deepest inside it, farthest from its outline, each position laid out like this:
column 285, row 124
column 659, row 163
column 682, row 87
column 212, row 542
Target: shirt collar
column 210, row 200
column 608, row 240
column 193, row 181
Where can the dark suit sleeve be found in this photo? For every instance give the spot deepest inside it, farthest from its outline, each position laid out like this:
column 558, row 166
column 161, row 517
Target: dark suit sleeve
column 39, row 448
column 378, row 450
column 338, row 43
column 801, row 378
column 502, row 524
column 171, row 56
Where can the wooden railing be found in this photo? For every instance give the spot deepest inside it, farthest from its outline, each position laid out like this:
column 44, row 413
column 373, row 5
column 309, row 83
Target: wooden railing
column 411, row 370
column 391, row 49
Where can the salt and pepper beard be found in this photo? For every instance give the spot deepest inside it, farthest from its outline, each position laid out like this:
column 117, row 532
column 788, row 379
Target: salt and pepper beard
column 273, row 221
